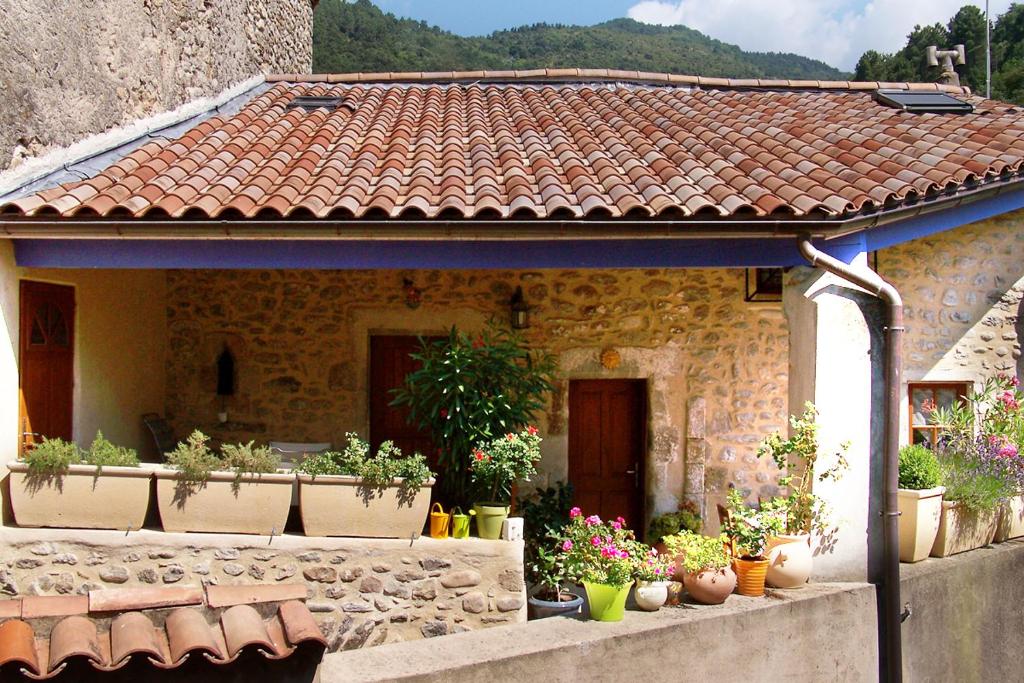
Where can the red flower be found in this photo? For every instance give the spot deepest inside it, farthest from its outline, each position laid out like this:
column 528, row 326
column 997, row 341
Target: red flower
column 444, row 412
column 479, row 455
column 478, row 343
column 531, row 430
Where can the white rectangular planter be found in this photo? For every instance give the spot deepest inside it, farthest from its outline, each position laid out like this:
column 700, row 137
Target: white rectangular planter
column 81, row 498
column 1011, row 519
column 337, row 505
column 920, row 514
column 257, row 505
column 961, row 529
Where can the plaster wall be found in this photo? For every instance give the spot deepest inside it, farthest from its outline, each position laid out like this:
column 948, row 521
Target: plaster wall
column 72, row 69
column 301, row 343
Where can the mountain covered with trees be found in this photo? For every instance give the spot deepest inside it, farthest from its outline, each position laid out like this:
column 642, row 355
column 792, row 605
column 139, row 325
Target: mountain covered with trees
column 967, row 27
column 358, row 36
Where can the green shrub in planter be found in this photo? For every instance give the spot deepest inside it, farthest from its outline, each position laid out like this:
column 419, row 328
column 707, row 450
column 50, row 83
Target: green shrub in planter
column 919, row 468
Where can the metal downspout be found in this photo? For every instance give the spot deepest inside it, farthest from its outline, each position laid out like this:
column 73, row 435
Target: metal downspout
column 891, row 617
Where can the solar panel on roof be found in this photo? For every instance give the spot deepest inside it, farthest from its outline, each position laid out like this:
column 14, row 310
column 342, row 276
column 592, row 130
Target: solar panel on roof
column 923, row 102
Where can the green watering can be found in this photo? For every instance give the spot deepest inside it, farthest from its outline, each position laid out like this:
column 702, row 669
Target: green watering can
column 460, row 523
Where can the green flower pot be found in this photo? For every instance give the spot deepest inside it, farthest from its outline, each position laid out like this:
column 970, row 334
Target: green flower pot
column 489, row 517
column 607, row 603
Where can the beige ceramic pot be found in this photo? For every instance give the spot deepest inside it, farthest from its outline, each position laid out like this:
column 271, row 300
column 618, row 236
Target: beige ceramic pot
column 710, row 587
column 337, row 505
column 83, row 498
column 961, row 529
column 257, row 504
column 920, row 513
column 789, row 560
column 1011, row 519
column 651, row 595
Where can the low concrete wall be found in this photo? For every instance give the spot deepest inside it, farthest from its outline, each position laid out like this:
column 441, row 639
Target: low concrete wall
column 968, row 616
column 362, row 591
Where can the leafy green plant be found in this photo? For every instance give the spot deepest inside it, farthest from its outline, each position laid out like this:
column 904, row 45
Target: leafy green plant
column 52, row 456
column 797, row 456
column 749, row 529
column 386, row 465
column 919, row 468
column 544, row 514
column 470, row 391
column 687, row 518
column 499, row 463
column 102, row 453
column 700, row 553
column 649, row 565
column 194, row 459
column 249, row 459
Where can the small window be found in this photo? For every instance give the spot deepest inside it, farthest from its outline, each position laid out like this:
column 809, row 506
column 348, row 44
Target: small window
column 763, row 284
column 923, row 102
column 925, row 394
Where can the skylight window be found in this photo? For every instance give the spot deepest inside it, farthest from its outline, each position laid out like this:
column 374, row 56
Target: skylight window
column 923, row 102
column 309, row 103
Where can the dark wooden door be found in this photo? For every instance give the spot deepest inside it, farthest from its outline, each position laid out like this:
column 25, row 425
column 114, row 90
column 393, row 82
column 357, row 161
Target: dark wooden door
column 389, row 364
column 607, row 446
column 46, row 360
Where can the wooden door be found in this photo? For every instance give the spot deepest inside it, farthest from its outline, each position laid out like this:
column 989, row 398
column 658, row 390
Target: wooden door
column 607, row 447
column 46, row 360
column 389, row 364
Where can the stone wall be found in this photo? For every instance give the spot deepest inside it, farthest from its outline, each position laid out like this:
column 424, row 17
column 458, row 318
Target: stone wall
column 72, row 69
column 962, row 291
column 362, row 592
column 301, row 344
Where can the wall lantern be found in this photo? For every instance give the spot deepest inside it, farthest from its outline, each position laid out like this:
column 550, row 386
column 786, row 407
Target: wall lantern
column 519, row 310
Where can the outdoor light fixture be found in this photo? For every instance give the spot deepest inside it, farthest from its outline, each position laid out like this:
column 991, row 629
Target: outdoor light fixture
column 519, row 310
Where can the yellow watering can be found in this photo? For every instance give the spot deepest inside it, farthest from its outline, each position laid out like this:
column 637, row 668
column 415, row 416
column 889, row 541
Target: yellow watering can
column 438, row 521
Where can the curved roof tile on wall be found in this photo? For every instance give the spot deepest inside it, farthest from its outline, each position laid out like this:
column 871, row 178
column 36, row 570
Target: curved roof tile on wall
column 439, row 146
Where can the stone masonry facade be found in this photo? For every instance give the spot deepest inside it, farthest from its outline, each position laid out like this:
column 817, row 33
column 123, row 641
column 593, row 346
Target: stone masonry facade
column 361, row 592
column 73, row 69
column 300, row 339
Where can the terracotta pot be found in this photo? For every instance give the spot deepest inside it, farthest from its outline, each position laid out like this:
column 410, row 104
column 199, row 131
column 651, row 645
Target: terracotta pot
column 961, row 529
column 789, row 560
column 710, row 586
column 651, row 595
column 81, row 498
column 570, row 606
column 257, row 504
column 920, row 512
column 675, row 592
column 750, row 576
column 1011, row 519
column 339, row 505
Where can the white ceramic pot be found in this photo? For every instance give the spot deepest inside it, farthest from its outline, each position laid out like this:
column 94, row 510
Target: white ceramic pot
column 920, row 513
column 650, row 595
column 1011, row 519
column 789, row 561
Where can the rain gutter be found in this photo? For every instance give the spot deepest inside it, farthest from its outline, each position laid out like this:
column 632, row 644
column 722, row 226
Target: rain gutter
column 890, row 638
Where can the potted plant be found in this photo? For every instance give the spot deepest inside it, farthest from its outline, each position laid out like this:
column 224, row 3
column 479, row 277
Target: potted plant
column 58, row 484
column 600, row 555
column 748, row 531
column 920, row 501
column 353, row 494
column 239, row 490
column 471, row 390
column 706, row 566
column 685, row 518
column 789, row 553
column 652, row 572
column 494, row 467
column 977, row 458
column 544, row 514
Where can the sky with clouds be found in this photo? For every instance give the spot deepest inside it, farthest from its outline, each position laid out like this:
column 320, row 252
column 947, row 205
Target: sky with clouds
column 835, row 31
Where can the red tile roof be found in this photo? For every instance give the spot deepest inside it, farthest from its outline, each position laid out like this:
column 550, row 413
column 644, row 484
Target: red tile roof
column 495, row 145
column 164, row 638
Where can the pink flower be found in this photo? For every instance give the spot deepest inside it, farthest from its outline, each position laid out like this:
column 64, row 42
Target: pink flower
column 620, row 520
column 593, row 520
column 1014, row 382
column 616, row 525
column 1008, row 451
column 567, row 545
column 595, row 541
column 575, row 512
column 531, row 430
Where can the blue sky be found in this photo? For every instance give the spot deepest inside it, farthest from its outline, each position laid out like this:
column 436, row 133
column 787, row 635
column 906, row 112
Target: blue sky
column 835, row 31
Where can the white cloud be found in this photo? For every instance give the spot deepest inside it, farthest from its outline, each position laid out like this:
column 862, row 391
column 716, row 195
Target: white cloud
column 834, row 31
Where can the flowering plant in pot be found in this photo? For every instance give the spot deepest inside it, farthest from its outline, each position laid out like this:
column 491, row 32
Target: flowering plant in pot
column 920, row 501
column 653, row 574
column 544, row 513
column 706, row 567
column 749, row 531
column 600, row 555
column 495, row 466
column 56, row 483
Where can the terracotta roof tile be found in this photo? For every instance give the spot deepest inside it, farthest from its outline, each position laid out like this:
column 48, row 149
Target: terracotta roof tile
column 465, row 145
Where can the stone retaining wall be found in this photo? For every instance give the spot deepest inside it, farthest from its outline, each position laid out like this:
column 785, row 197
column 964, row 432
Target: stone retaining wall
column 363, row 592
